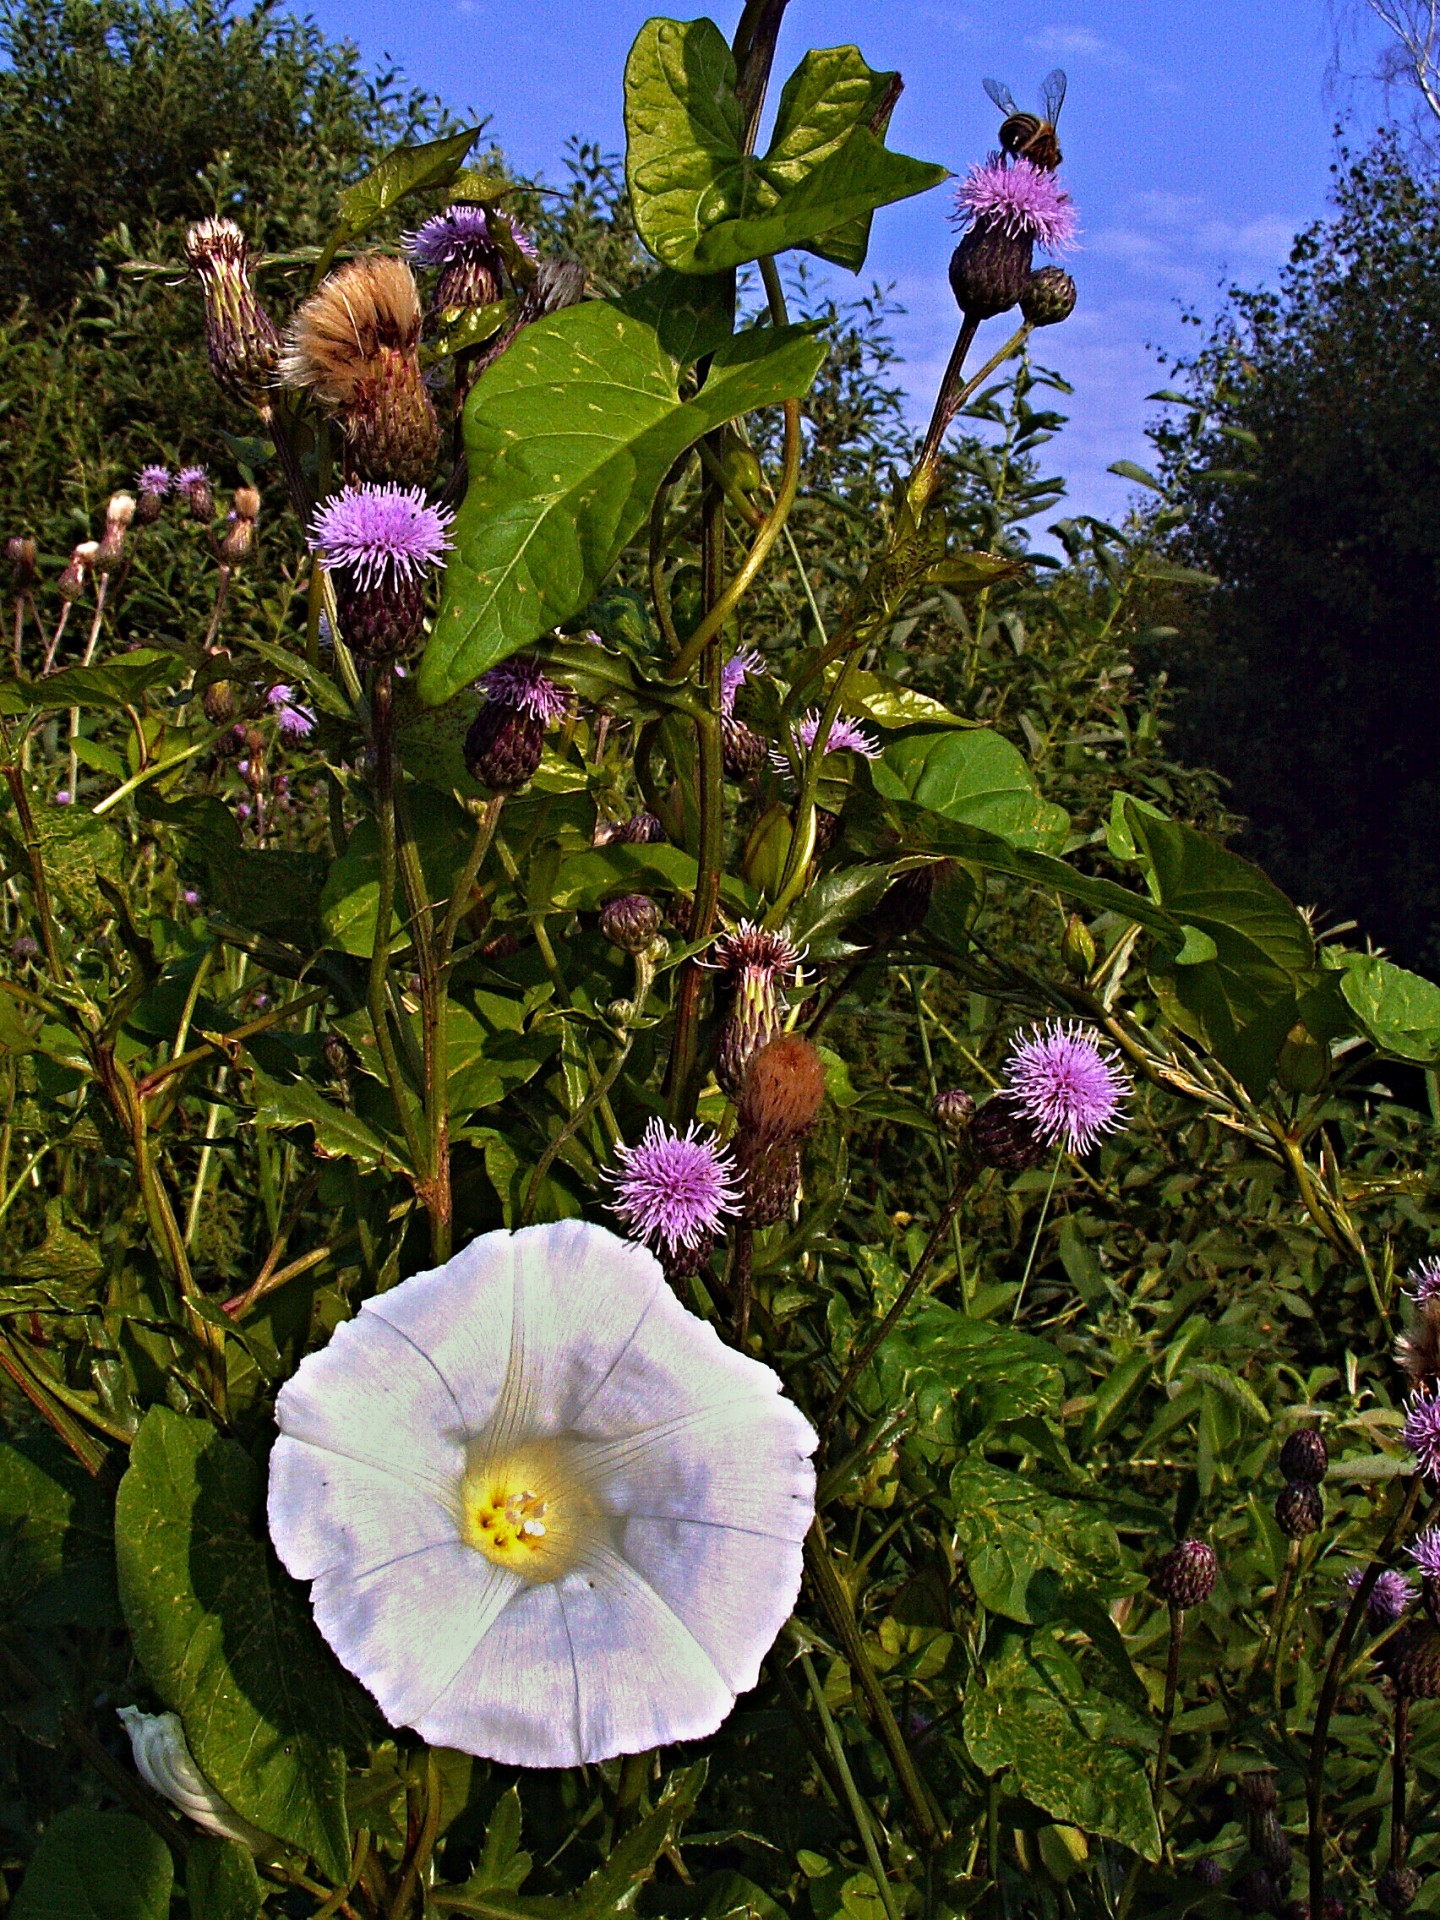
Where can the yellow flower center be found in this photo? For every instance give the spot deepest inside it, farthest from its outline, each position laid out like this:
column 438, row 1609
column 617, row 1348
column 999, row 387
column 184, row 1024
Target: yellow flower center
column 528, row 1509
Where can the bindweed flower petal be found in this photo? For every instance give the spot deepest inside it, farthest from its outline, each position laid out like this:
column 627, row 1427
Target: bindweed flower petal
column 547, row 1515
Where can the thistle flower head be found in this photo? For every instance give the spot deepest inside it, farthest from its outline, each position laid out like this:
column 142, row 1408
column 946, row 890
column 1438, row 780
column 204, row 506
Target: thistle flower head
column 1424, row 1550
column 522, row 686
column 296, row 721
column 243, row 343
column 751, row 948
column 548, row 1518
column 735, row 672
column 1066, row 1085
column 1422, row 1283
column 154, row 479
column 845, row 736
column 1387, row 1599
column 674, row 1189
column 189, row 477
column 380, row 533
column 1018, row 199
column 366, row 308
column 450, row 236
column 1421, row 1432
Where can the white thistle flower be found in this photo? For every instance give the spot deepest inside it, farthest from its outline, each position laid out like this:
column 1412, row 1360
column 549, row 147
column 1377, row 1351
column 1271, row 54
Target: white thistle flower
column 164, row 1761
column 548, row 1516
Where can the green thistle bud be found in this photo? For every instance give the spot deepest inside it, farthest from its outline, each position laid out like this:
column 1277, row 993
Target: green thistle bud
column 1077, row 948
column 631, row 923
column 1049, row 297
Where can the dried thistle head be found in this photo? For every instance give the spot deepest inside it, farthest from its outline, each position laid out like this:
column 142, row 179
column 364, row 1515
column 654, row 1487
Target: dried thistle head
column 783, row 1091
column 241, row 337
column 368, row 307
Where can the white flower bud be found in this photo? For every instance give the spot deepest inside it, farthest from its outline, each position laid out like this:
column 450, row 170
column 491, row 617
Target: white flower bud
column 164, row 1761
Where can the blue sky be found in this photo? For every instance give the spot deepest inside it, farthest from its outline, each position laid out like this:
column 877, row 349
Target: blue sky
column 1197, row 136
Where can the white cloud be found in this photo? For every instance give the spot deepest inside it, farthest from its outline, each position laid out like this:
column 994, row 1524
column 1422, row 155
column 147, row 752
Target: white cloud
column 1078, row 43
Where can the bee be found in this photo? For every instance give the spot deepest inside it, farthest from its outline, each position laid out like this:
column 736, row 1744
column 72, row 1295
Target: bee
column 1025, row 134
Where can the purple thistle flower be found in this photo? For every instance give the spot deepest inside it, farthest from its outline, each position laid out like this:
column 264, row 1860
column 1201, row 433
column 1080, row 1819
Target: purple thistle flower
column 1019, row 199
column 1425, row 1552
column 523, row 241
column 674, row 1187
column 449, row 236
column 1387, row 1599
column 750, row 948
column 191, row 897
column 154, row 480
column 189, row 477
column 1421, row 1432
column 846, row 736
column 24, row 947
column 1423, row 1281
column 296, row 721
column 1068, row 1087
column 380, row 534
column 63, row 797
column 735, row 672
column 521, row 685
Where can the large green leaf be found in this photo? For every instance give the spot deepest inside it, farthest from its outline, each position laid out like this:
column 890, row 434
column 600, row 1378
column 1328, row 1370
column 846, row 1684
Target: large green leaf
column 1075, row 1753
column 404, row 170
column 339, row 1134
column 226, row 1639
column 702, row 205
column 1023, row 1547
column 963, row 1375
column 1398, row 1011
column 975, row 776
column 59, row 1556
column 96, row 1866
column 220, row 1880
column 568, row 437
column 110, row 685
column 350, row 898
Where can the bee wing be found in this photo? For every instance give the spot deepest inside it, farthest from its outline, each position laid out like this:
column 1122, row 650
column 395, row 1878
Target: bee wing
column 1052, row 94
column 1001, row 95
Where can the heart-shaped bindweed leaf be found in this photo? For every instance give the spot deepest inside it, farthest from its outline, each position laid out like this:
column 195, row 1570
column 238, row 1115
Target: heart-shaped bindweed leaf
column 975, row 776
column 1398, row 1011
column 692, row 314
column 220, row 1880
column 96, row 1866
column 59, row 1556
column 339, row 1134
column 108, row 686
column 227, row 1639
column 568, row 436
column 1022, row 1546
column 702, row 205
column 1078, row 1754
column 404, row 170
column 964, row 1375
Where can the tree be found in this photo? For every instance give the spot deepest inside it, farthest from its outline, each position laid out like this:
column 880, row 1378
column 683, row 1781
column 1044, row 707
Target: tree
column 1312, row 683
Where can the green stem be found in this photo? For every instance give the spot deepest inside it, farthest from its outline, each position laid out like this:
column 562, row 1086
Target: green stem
column 1167, row 1716
column 1399, row 1756
column 377, row 997
column 1035, row 1242
column 858, row 1811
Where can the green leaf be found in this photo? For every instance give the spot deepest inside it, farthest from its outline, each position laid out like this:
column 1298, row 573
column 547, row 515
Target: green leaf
column 339, row 1134
column 268, row 890
column 974, row 776
column 690, row 312
column 1023, row 1546
column 404, row 170
column 96, row 1866
column 220, row 1880
column 109, row 687
column 350, row 898
column 1128, row 470
column 59, row 1556
column 875, row 696
column 227, row 1639
column 1064, row 1747
column 830, row 903
column 1398, row 1011
column 702, row 205
column 568, row 436
column 964, row 1375
column 64, row 1258
column 1178, row 576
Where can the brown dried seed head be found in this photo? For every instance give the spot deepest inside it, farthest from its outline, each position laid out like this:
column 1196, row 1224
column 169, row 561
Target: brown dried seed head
column 783, row 1090
column 366, row 308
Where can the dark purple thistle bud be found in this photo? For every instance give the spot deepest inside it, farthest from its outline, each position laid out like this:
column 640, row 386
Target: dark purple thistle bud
column 459, row 243
column 989, row 271
column 1412, row 1660
column 1299, row 1509
column 1186, row 1576
column 1049, row 297
column 22, row 553
column 242, row 339
column 954, row 1110
column 1255, row 1891
column 1397, row 1888
column 1272, row 1843
column 1305, row 1456
column 1003, row 1135
column 377, row 544
column 743, row 750
column 1257, row 1790
column 901, row 909
column 827, row 830
column 1209, row 1872
column 640, row 830
column 631, row 923
column 753, row 963
column 503, row 747
column 193, row 486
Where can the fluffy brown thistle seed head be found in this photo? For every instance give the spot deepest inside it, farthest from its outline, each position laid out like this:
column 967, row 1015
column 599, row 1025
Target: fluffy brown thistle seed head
column 783, row 1091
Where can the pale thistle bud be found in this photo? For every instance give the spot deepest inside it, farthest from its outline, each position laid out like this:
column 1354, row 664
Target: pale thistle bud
column 247, row 503
column 753, row 962
column 71, row 583
column 243, row 343
column 119, row 511
column 953, row 1110
column 238, row 539
column 22, row 553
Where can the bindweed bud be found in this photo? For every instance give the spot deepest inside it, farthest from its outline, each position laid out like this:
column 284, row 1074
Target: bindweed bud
column 641, row 829
column 503, row 747
column 1186, row 1576
column 743, row 750
column 954, row 1110
column 1412, row 1660
column 1305, row 1456
column 1397, row 1888
column 1003, row 1136
column 1299, row 1509
column 989, row 271
column 1049, row 297
column 165, row 1763
column 780, row 1101
column 631, row 922
column 22, row 553
column 1077, row 948
column 243, row 343
column 901, row 909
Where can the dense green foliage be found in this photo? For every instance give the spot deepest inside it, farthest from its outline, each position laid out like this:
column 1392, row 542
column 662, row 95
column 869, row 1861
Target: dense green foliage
column 287, row 1016
column 1315, row 499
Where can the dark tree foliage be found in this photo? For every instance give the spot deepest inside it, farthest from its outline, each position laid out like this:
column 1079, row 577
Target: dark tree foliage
column 1312, row 682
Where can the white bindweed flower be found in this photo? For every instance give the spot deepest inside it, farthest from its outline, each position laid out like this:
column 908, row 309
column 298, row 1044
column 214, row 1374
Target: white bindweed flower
column 164, row 1761
column 549, row 1517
